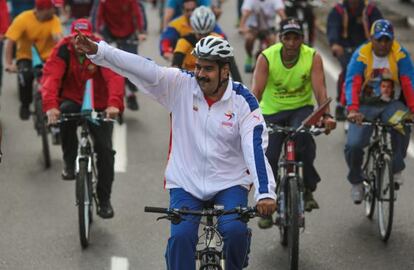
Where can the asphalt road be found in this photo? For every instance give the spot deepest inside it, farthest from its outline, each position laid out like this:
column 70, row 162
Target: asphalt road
column 38, row 227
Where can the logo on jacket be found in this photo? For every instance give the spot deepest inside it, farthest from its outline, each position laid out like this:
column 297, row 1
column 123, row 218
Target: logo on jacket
column 229, row 115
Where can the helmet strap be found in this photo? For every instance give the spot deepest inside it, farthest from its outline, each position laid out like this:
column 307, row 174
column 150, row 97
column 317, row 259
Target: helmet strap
column 220, row 82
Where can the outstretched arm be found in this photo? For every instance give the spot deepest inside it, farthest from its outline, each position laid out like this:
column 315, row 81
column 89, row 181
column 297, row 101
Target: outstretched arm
column 162, row 84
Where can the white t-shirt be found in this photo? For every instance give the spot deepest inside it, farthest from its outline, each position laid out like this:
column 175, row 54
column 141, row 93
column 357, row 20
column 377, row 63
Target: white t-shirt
column 263, row 12
column 382, row 65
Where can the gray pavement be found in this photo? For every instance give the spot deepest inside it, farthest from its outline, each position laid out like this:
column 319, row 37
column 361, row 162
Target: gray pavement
column 39, row 221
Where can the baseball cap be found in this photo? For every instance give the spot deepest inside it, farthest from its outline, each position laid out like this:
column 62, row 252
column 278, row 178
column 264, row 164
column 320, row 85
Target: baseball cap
column 83, row 25
column 291, row 25
column 44, row 4
column 381, row 28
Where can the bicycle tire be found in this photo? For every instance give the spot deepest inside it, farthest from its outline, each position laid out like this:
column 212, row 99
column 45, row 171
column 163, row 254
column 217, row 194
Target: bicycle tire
column 43, row 131
column 370, row 198
column 84, row 201
column 385, row 201
column 283, row 228
column 293, row 223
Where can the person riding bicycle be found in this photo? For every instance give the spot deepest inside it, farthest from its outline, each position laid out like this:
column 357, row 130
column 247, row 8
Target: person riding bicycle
column 347, row 28
column 122, row 21
column 63, row 83
column 178, row 28
column 218, row 142
column 286, row 74
column 175, row 8
column 202, row 22
column 40, row 28
column 369, row 64
column 258, row 21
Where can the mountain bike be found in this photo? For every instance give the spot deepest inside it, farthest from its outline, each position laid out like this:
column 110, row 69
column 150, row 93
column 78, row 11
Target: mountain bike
column 85, row 171
column 290, row 189
column 289, row 183
column 379, row 185
column 211, row 255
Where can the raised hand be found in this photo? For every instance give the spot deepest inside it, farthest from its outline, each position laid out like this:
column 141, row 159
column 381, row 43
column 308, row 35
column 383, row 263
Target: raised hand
column 84, row 44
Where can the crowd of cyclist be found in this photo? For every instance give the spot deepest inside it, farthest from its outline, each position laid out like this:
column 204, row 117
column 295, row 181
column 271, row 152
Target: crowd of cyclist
column 376, row 81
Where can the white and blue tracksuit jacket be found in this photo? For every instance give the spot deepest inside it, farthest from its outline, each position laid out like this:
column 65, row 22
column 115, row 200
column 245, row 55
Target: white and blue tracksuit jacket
column 213, row 148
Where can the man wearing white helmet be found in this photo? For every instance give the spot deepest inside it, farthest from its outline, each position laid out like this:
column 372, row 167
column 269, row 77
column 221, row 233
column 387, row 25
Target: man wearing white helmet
column 202, row 22
column 218, row 141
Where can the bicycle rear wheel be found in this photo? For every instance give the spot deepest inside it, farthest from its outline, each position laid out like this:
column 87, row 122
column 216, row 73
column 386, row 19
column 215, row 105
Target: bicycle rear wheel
column 293, row 223
column 84, row 201
column 370, row 172
column 385, row 186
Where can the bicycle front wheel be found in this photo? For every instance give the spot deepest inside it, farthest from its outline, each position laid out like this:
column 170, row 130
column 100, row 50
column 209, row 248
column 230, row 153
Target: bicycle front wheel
column 369, row 185
column 42, row 130
column 293, row 223
column 385, row 187
column 84, row 201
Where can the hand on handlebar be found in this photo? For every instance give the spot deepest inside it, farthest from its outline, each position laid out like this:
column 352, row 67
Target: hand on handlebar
column 266, row 207
column 355, row 117
column 53, row 116
column 329, row 123
column 11, row 68
column 112, row 112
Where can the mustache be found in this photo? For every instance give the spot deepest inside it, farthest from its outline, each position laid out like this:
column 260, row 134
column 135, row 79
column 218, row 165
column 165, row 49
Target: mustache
column 203, row 79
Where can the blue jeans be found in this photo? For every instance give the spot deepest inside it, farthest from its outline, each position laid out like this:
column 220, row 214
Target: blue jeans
column 182, row 243
column 305, row 144
column 359, row 137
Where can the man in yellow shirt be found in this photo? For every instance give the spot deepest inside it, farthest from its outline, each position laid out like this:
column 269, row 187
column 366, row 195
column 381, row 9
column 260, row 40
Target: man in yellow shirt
column 40, row 28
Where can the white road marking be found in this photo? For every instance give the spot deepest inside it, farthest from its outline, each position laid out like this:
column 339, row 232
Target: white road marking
column 119, row 141
column 410, row 149
column 119, row 263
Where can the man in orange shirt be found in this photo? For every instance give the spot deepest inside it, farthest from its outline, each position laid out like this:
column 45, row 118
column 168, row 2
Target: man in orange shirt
column 40, row 28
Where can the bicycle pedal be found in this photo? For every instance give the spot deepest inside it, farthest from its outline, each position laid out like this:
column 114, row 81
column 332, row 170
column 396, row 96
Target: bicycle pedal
column 396, row 186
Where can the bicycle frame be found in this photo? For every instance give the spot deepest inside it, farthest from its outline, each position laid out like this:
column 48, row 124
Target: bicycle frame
column 290, row 168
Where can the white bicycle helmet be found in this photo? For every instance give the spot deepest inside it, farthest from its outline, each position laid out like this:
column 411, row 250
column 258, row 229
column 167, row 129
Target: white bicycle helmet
column 202, row 20
column 213, row 48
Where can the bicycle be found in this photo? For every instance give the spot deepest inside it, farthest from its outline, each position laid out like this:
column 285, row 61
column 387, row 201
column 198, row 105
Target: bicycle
column 209, row 257
column 289, row 183
column 379, row 184
column 85, row 172
column 290, row 189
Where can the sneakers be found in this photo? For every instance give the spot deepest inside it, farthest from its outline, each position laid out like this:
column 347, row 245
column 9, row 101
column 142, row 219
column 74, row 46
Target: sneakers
column 310, row 202
column 24, row 112
column 68, row 174
column 398, row 180
column 357, row 193
column 132, row 102
column 105, row 209
column 265, row 223
column 340, row 113
column 248, row 64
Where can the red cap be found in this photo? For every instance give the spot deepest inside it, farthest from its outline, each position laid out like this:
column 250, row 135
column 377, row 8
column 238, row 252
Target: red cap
column 83, row 25
column 44, row 4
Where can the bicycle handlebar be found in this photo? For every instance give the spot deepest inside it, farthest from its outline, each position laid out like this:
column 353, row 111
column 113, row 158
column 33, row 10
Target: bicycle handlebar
column 379, row 123
column 100, row 116
column 175, row 214
column 313, row 130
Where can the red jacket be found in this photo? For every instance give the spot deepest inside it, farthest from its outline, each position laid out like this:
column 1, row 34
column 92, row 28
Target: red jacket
column 61, row 81
column 4, row 17
column 122, row 17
